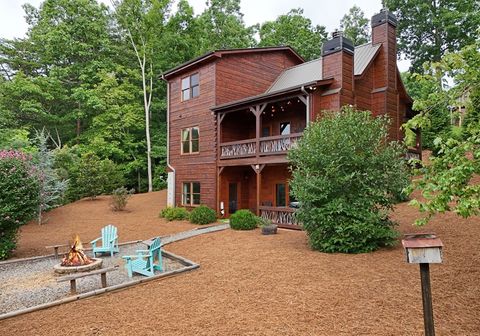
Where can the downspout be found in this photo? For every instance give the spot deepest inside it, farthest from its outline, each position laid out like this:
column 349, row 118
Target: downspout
column 168, row 137
column 308, row 103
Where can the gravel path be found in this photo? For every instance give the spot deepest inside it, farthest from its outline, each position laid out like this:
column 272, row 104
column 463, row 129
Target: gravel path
column 28, row 283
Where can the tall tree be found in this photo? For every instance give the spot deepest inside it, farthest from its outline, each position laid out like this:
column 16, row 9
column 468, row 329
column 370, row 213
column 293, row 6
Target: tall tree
column 449, row 182
column 428, row 29
column 67, row 43
column 356, row 26
column 141, row 21
column 295, row 30
column 221, row 26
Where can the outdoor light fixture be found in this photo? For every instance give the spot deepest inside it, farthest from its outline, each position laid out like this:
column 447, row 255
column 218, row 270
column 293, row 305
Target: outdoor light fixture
column 424, row 249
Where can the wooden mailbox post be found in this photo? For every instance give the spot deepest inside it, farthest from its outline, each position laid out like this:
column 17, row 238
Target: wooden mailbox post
column 424, row 249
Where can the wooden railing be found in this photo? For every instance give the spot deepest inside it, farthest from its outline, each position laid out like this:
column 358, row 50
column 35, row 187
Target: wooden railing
column 278, row 144
column 279, row 215
column 237, row 149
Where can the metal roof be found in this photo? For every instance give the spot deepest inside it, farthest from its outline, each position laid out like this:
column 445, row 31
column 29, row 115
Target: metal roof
column 364, row 54
column 298, row 75
column 312, row 71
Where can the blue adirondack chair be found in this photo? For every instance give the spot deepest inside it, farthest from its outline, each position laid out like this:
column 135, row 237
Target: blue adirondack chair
column 109, row 240
column 146, row 262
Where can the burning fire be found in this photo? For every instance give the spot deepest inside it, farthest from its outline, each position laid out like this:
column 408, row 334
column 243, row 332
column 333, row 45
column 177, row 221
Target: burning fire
column 76, row 256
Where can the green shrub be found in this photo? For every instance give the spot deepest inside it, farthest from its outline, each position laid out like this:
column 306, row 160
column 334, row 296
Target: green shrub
column 91, row 176
column 347, row 176
column 243, row 220
column 119, row 198
column 203, row 215
column 263, row 222
column 176, row 213
column 19, row 197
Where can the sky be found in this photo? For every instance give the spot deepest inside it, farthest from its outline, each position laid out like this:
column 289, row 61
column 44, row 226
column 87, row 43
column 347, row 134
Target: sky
column 323, row 12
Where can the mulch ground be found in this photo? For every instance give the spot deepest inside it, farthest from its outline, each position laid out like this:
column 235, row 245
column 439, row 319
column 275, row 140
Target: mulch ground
column 86, row 218
column 249, row 284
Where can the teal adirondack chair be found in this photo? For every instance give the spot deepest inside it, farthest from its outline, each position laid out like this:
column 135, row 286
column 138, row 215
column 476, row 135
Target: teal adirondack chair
column 109, row 240
column 146, row 262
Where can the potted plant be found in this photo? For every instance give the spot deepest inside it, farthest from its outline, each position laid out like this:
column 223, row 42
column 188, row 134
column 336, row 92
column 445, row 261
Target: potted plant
column 267, row 226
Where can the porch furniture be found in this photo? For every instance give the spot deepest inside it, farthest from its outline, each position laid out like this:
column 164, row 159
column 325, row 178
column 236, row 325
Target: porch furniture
column 109, row 240
column 146, row 262
column 73, row 277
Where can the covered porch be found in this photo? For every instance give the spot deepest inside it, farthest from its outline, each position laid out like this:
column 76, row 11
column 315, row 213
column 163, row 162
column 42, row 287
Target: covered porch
column 261, row 188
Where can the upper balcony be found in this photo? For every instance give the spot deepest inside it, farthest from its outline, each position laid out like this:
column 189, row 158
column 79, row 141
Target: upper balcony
column 261, row 131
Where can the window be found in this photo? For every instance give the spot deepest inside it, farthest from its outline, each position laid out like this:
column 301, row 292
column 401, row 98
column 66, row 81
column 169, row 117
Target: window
column 281, row 196
column 191, row 193
column 190, row 140
column 265, row 131
column 190, row 87
column 285, row 128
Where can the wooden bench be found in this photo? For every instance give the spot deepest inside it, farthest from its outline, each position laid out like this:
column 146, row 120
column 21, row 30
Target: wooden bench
column 55, row 248
column 73, row 277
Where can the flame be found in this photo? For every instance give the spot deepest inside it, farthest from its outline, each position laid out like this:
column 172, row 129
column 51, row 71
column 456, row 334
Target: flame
column 76, row 256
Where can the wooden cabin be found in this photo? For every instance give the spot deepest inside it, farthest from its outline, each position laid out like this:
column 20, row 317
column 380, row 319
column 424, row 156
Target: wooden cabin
column 234, row 114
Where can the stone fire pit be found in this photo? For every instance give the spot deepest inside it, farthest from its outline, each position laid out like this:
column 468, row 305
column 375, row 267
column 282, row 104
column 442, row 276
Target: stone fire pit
column 97, row 263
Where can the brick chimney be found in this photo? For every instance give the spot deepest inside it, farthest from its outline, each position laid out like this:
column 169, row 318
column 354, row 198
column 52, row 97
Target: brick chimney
column 337, row 63
column 385, row 94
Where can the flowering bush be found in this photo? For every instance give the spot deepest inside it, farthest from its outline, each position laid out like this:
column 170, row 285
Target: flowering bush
column 19, row 192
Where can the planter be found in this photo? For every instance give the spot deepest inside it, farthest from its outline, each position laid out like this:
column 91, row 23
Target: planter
column 269, row 229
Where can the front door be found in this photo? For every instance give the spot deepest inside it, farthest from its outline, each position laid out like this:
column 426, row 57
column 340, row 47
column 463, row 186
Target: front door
column 232, row 197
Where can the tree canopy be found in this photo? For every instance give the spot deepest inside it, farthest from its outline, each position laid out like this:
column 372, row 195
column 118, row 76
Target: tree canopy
column 429, row 29
column 356, row 26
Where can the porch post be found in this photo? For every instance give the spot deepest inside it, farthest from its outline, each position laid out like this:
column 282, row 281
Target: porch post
column 220, row 117
column 258, row 170
column 219, row 172
column 257, row 111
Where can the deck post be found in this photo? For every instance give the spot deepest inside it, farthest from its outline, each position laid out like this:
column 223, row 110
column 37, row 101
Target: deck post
column 219, row 172
column 258, row 170
column 257, row 111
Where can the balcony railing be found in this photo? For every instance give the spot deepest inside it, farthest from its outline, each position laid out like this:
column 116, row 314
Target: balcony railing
column 238, row 149
column 279, row 144
column 279, row 215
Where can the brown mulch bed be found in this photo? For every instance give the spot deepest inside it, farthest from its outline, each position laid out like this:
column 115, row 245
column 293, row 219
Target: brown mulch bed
column 250, row 284
column 86, row 218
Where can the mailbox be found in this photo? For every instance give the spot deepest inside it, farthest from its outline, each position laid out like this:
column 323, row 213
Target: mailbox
column 423, row 248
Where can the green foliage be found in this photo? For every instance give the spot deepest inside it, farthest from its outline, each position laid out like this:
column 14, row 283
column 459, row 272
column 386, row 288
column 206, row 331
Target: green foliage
column 93, row 177
column 424, row 89
column 263, row 222
column 19, row 191
column 243, row 220
column 221, row 26
column 119, row 198
column 203, row 215
column 446, row 183
column 175, row 213
column 356, row 26
column 52, row 186
column 346, row 175
column 295, row 30
column 428, row 29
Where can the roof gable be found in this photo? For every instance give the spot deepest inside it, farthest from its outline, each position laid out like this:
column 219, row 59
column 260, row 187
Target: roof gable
column 220, row 53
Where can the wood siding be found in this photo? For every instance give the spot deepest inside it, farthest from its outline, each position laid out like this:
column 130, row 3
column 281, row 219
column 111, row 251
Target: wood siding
column 242, row 76
column 198, row 167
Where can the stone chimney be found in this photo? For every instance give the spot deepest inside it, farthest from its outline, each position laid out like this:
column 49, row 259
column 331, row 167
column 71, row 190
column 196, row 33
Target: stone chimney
column 337, row 63
column 385, row 94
